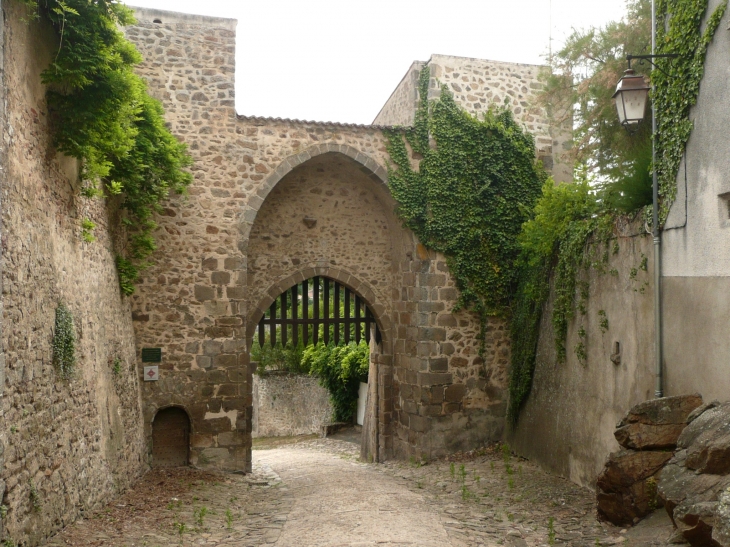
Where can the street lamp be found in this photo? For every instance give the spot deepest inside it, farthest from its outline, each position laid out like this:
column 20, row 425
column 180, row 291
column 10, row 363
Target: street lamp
column 631, row 96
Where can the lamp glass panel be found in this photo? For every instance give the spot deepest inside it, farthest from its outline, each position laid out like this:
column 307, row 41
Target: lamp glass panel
column 634, row 104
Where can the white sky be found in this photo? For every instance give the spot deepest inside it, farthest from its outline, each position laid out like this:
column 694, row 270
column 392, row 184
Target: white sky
column 339, row 60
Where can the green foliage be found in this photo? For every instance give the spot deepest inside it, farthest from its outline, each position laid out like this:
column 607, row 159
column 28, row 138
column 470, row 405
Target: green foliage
column 103, row 116
column 277, row 358
column 340, row 370
column 470, row 194
column 678, row 83
column 64, row 342
column 87, row 230
column 554, row 245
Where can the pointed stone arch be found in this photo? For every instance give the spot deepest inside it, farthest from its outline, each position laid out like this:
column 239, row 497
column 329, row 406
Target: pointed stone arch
column 369, row 166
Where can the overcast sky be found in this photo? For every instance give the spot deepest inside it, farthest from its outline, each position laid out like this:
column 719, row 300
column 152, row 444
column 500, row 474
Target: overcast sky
column 339, row 60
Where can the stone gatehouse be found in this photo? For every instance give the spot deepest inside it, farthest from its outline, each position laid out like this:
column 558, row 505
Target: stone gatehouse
column 239, row 239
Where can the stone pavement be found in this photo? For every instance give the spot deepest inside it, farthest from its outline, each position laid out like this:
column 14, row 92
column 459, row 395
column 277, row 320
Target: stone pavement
column 314, row 492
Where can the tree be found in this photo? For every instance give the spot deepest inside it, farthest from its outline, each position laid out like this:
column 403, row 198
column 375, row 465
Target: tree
column 579, row 87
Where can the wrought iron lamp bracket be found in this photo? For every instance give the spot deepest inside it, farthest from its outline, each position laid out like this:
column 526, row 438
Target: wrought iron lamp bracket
column 643, row 59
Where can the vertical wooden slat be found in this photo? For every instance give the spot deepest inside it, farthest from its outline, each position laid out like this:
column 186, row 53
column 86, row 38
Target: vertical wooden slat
column 315, row 325
column 348, row 322
column 357, row 319
column 295, row 315
column 305, row 311
column 336, row 315
column 272, row 327
column 326, row 310
column 284, row 326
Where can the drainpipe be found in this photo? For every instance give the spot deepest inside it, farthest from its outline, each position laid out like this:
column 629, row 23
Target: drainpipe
column 659, row 386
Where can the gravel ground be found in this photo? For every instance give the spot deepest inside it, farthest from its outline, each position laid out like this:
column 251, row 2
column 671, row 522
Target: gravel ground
column 314, row 492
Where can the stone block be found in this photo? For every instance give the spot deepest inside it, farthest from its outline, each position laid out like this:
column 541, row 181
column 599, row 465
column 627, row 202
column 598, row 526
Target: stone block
column 210, row 264
column 220, row 278
column 438, row 364
column 455, row 393
column 203, row 361
column 434, row 378
column 640, row 436
column 201, row 440
column 203, row 292
column 236, row 293
column 446, row 320
column 419, row 423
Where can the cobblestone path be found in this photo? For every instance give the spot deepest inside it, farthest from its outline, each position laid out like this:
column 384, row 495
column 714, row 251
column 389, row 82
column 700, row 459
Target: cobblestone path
column 316, row 493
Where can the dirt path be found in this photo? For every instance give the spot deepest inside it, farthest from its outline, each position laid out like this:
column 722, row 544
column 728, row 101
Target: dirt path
column 338, row 501
column 314, row 492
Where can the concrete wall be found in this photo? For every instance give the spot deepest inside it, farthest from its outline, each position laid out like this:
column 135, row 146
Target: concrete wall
column 696, row 241
column 79, row 441
column 285, row 404
column 568, row 421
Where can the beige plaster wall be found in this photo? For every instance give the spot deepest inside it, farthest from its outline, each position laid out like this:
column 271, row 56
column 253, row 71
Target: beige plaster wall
column 568, row 420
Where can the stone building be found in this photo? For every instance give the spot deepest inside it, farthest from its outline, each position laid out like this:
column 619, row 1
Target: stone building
column 226, row 251
column 239, row 240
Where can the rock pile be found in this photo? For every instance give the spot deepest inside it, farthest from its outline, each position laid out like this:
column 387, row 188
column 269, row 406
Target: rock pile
column 695, row 485
column 627, row 486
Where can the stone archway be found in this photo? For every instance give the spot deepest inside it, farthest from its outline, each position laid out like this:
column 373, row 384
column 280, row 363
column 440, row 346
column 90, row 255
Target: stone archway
column 328, row 212
column 171, row 437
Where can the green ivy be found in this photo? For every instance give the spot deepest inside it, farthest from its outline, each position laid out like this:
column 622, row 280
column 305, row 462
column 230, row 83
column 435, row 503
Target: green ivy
column 64, row 342
column 103, row 116
column 678, row 83
column 469, row 196
column 340, row 370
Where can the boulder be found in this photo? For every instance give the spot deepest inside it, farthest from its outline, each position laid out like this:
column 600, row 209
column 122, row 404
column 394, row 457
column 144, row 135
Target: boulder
column 656, row 424
column 627, row 486
column 694, row 484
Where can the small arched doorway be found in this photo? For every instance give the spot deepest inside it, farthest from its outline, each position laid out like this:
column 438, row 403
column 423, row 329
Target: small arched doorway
column 170, row 438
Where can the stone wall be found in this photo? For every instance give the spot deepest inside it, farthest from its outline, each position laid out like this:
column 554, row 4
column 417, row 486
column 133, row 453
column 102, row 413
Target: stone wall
column 400, row 108
column 285, row 404
column 477, row 85
column 74, row 442
column 568, row 421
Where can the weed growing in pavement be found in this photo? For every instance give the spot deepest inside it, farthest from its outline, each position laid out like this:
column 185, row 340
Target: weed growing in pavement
column 511, row 483
column 229, row 518
column 506, row 453
column 462, row 473
column 9, row 543
column 510, row 517
column 181, row 529
column 491, row 464
column 200, row 516
column 35, row 497
column 551, row 531
column 452, row 469
column 419, row 484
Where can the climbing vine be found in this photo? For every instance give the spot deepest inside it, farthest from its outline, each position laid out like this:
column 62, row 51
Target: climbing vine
column 64, row 342
column 469, row 195
column 103, row 116
column 678, row 83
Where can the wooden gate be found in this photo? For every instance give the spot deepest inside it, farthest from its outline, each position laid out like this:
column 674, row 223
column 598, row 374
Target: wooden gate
column 170, row 438
column 296, row 315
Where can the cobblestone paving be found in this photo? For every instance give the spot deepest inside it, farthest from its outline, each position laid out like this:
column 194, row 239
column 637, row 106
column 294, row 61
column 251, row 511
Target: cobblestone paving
column 315, row 492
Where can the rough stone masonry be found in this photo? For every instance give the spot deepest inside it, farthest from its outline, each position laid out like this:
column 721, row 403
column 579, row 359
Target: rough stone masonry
column 239, row 240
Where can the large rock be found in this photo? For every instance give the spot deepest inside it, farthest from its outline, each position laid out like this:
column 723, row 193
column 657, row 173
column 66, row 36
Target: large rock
column 656, row 424
column 694, row 484
column 627, row 486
